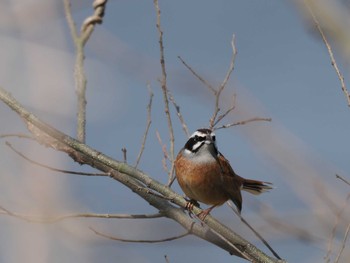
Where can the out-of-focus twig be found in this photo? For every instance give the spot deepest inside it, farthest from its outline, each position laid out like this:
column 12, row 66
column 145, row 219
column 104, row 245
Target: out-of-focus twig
column 52, row 168
column 148, row 125
column 343, row 179
column 179, row 115
column 346, row 235
column 50, row 220
column 138, row 240
column 330, row 52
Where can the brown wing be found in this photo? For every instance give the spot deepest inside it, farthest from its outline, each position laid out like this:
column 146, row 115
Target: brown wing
column 233, row 182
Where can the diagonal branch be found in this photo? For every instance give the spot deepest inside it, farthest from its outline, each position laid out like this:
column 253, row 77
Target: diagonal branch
column 136, row 179
column 330, row 52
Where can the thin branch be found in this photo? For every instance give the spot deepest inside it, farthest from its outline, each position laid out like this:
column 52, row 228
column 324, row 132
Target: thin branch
column 343, row 243
column 124, row 151
column 256, row 233
column 165, row 90
column 242, row 122
column 148, row 125
column 343, row 179
column 166, row 259
column 88, row 25
column 18, row 135
column 206, row 83
column 233, row 106
column 179, row 115
column 337, row 220
column 79, row 73
column 50, row 220
column 223, row 84
column 50, row 167
column 330, row 52
column 165, row 152
column 138, row 240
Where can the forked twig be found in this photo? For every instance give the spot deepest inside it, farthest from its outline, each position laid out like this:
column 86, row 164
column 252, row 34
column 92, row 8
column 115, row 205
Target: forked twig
column 330, row 52
column 223, row 84
column 242, row 122
column 138, row 240
column 148, row 125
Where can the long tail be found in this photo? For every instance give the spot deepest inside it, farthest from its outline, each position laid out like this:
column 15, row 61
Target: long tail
column 256, row 187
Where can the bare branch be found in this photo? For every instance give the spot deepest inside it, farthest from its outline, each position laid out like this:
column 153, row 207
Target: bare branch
column 52, row 168
column 179, row 115
column 256, row 233
column 233, row 106
column 50, row 220
column 242, row 122
column 343, row 179
column 206, row 83
column 343, row 243
column 165, row 152
column 139, row 240
column 165, row 90
column 124, row 151
column 330, row 52
column 148, row 125
column 223, row 84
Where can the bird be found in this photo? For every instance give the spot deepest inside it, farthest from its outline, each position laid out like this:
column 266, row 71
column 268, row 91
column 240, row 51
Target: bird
column 206, row 176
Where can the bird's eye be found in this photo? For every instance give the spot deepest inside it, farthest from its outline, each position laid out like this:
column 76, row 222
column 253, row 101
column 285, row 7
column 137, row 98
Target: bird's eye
column 198, row 138
column 213, row 138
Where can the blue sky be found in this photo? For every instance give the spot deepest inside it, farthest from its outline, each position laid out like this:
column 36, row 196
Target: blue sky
column 282, row 71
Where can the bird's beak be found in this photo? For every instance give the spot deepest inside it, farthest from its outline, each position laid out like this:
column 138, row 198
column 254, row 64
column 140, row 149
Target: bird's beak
column 208, row 140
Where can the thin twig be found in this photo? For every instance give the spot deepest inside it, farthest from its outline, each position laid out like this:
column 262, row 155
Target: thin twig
column 343, row 179
column 165, row 152
column 166, row 259
column 233, row 106
column 165, row 91
column 50, row 220
column 223, row 84
column 179, row 115
column 206, row 83
column 343, row 243
column 79, row 73
column 330, row 52
column 139, row 240
column 124, row 151
column 242, row 122
column 337, row 220
column 254, row 231
column 50, row 167
column 18, row 135
column 148, row 125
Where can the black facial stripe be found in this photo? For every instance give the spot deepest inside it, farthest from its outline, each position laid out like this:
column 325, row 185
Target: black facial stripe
column 192, row 141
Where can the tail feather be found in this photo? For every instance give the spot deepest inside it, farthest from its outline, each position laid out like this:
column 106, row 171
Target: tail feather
column 256, row 187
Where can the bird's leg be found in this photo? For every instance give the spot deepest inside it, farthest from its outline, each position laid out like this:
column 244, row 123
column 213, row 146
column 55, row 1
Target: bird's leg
column 202, row 215
column 190, row 204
